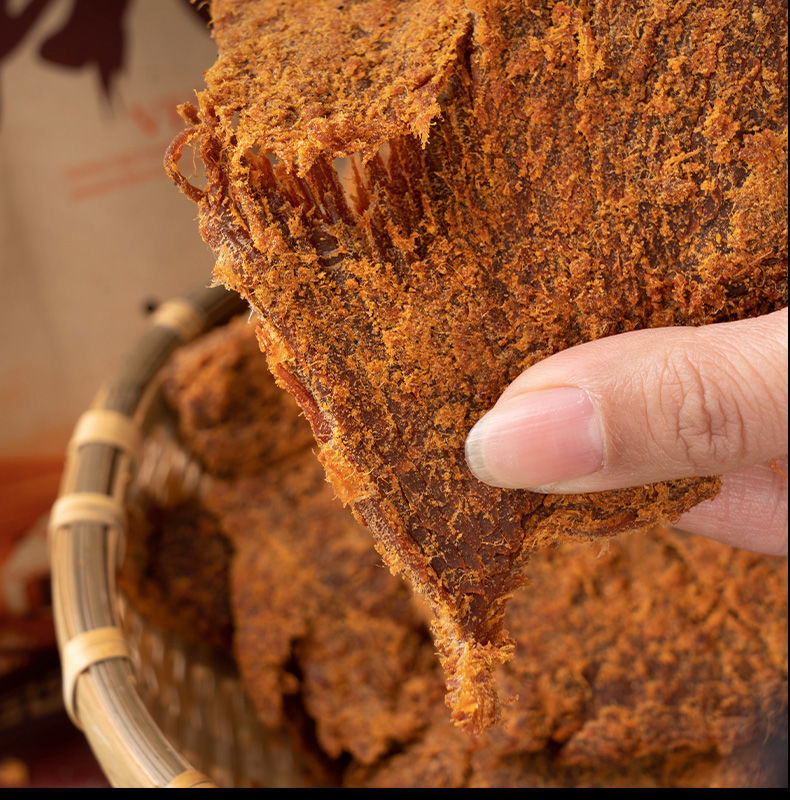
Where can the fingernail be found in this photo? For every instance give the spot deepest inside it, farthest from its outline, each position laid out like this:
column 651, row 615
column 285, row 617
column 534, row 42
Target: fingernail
column 536, row 438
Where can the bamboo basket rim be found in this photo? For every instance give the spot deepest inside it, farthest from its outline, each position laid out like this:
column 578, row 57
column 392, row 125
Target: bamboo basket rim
column 86, row 535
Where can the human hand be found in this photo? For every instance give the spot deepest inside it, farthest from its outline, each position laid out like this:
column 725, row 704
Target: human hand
column 655, row 405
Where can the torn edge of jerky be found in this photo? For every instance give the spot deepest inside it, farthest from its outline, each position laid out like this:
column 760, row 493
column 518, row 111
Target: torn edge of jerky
column 468, row 664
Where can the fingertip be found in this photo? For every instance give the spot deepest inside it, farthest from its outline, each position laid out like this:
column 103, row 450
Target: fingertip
column 536, row 438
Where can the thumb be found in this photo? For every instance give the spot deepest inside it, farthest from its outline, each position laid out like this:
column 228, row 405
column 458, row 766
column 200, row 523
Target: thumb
column 640, row 407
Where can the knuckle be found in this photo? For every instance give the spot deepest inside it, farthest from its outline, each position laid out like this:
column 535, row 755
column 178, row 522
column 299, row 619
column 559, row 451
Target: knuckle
column 699, row 420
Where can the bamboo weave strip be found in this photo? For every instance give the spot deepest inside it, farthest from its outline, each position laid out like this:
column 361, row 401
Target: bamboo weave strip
column 83, row 651
column 190, row 779
column 181, row 317
column 86, row 507
column 103, row 426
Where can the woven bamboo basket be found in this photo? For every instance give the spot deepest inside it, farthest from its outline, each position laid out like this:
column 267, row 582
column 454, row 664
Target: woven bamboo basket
column 157, row 711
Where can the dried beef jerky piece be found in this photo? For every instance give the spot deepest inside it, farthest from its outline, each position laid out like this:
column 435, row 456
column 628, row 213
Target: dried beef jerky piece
column 314, row 614
column 530, row 177
column 231, row 415
column 317, row 616
column 659, row 661
column 175, row 572
column 650, row 648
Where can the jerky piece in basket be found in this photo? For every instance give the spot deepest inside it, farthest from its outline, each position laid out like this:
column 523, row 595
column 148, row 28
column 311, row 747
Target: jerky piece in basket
column 315, row 616
column 660, row 662
column 231, row 415
column 524, row 177
column 176, row 568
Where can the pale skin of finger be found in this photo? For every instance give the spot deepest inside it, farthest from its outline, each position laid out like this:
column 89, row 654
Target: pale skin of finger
column 664, row 404
column 655, row 405
column 750, row 512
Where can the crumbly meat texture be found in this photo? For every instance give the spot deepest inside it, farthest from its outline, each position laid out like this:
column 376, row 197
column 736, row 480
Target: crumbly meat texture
column 524, row 177
column 231, row 415
column 176, row 569
column 660, row 662
column 315, row 615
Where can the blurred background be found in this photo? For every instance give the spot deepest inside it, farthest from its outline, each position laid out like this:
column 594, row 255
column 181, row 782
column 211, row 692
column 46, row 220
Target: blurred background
column 93, row 236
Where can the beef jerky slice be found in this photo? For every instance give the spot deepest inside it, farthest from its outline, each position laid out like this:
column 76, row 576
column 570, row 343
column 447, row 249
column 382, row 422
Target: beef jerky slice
column 520, row 178
column 655, row 660
column 315, row 616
